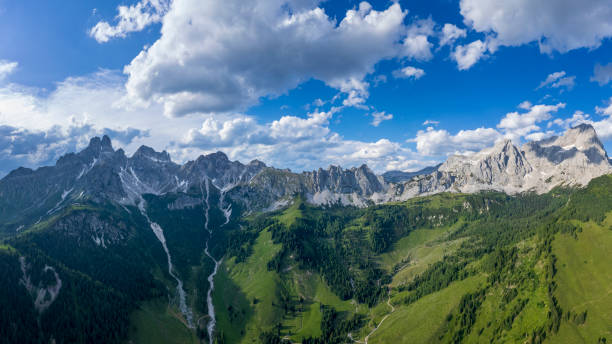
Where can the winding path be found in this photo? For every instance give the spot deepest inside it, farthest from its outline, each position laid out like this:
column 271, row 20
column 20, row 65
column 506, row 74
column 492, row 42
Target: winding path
column 365, row 340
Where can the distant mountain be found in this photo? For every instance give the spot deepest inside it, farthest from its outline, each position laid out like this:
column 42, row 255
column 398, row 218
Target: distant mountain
column 100, row 173
column 400, row 176
column 571, row 160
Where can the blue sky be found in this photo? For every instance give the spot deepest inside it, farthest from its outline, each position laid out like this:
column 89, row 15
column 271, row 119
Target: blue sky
column 300, row 83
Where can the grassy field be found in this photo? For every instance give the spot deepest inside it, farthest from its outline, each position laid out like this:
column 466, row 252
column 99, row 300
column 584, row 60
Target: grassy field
column 419, row 249
column 254, row 295
column 584, row 280
column 421, row 321
column 154, row 323
column 246, row 294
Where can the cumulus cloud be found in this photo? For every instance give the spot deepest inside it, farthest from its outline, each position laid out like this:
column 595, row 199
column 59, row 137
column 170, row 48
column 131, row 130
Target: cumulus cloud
column 516, row 125
column 467, row 55
column 35, row 130
column 409, row 72
column 430, row 122
column 416, row 44
column 379, row 117
column 7, row 68
column 603, row 126
column 223, row 57
column 559, row 80
column 450, row 33
column 525, row 105
column 602, row 74
column 577, row 118
column 130, row 19
column 540, row 135
column 307, row 143
column 605, row 110
column 33, row 148
column 556, row 25
column 42, row 127
column 432, row 142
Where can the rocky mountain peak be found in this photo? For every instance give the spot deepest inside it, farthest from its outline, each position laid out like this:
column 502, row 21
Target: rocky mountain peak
column 506, row 145
column 97, row 148
column 364, row 169
column 149, row 153
column 257, row 163
column 106, row 143
column 582, row 137
column 217, row 156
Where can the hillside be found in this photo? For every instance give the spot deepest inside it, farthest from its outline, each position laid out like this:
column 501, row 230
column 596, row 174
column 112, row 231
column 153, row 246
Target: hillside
column 478, row 268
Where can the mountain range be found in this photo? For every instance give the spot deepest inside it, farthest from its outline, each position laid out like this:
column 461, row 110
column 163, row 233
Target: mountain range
column 508, row 244
column 100, row 172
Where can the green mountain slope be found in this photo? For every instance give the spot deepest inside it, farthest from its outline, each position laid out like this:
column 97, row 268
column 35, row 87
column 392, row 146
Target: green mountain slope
column 449, row 268
column 445, row 268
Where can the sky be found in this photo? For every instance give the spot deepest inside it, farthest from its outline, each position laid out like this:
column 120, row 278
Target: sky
column 300, row 84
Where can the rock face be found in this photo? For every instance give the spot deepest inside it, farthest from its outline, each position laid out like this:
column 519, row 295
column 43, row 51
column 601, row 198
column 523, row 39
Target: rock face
column 572, row 160
column 101, row 174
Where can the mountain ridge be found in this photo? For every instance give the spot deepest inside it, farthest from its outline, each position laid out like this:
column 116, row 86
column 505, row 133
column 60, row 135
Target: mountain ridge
column 99, row 172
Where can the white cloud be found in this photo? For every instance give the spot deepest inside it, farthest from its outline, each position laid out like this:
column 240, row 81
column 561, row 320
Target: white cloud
column 552, row 78
column 605, row 110
column 540, row 135
column 450, row 33
column 379, row 79
column 577, row 118
column 432, row 142
column 559, row 80
column 65, row 119
column 379, row 117
column 602, row 74
column 200, row 66
column 356, row 92
column 416, row 44
column 223, row 57
column 525, row 105
column 35, row 130
column 318, row 102
column 409, row 72
column 567, row 82
column 430, row 122
column 7, row 68
column 130, row 19
column 467, row 55
column 603, row 127
column 556, row 25
column 296, row 142
column 516, row 125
